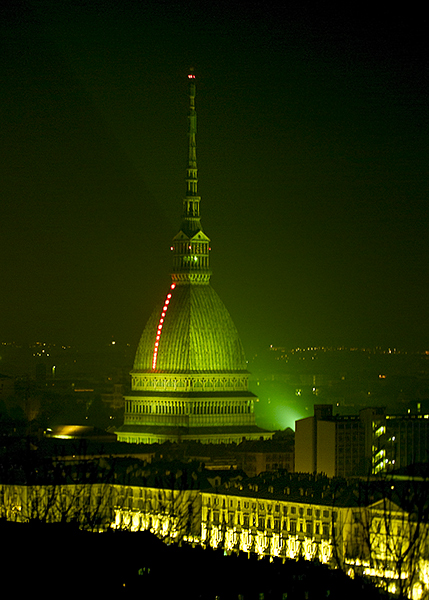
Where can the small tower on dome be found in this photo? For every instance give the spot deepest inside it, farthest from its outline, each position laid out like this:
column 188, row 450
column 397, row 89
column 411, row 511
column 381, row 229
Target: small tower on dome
column 190, row 380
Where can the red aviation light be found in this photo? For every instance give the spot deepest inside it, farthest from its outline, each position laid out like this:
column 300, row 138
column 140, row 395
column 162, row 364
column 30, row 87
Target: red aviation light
column 159, row 329
column 191, row 76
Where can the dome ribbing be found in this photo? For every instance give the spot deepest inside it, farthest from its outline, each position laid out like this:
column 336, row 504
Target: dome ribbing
column 198, row 335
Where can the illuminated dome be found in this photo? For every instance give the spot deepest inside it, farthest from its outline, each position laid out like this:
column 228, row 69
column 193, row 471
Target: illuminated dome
column 189, row 380
column 197, row 335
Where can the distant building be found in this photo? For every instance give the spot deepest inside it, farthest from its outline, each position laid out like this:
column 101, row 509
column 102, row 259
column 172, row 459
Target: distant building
column 256, row 457
column 190, row 378
column 359, row 445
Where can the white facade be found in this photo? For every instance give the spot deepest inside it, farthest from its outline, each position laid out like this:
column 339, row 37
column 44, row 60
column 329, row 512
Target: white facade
column 270, row 527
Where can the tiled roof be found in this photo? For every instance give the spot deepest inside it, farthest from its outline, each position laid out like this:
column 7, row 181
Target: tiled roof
column 295, row 487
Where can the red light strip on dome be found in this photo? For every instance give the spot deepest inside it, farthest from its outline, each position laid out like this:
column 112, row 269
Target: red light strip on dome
column 160, row 325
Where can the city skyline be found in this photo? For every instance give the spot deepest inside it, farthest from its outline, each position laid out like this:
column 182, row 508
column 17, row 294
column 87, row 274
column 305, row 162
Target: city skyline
column 312, row 156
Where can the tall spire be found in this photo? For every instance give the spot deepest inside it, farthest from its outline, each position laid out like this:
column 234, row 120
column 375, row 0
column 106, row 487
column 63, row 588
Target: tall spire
column 191, row 245
column 191, row 202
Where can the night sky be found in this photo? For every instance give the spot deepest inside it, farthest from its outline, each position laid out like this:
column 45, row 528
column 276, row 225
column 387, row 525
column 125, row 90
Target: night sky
column 312, row 155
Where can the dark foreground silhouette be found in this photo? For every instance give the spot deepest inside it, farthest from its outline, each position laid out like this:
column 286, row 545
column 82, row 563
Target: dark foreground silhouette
column 60, row 559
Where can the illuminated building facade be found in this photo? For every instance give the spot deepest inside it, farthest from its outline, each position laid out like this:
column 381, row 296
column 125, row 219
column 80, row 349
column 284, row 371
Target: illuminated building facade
column 378, row 529
column 372, row 530
column 190, row 380
column 279, row 516
column 388, row 544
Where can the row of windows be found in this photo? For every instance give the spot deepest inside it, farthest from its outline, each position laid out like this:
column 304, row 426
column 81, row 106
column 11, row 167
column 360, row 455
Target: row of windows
column 269, row 507
column 349, row 425
column 291, row 526
column 193, row 248
column 348, row 439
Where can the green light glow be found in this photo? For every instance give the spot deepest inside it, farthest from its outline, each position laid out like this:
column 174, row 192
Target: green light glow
column 278, row 412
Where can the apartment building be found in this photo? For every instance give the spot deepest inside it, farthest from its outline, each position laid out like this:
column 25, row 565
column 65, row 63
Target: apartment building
column 359, row 445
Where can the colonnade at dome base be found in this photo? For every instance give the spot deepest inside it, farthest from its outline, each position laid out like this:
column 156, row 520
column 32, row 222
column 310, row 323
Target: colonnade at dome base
column 141, row 434
column 220, row 418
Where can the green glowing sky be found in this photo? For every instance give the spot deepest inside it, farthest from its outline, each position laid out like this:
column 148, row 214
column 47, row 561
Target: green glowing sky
column 312, row 155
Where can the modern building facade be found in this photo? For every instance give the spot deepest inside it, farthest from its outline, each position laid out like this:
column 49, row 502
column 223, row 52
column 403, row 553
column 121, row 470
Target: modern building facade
column 359, row 445
column 190, row 380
